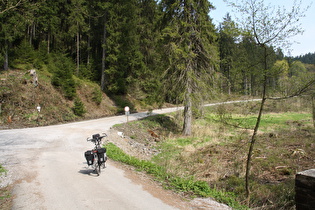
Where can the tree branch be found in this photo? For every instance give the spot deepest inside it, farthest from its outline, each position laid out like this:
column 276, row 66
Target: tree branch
column 297, row 93
column 11, row 7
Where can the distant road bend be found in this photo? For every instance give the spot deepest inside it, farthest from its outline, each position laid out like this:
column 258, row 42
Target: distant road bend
column 49, row 170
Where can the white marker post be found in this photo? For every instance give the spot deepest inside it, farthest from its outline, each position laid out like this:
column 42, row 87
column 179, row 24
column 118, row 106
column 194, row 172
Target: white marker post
column 127, row 112
column 38, row 111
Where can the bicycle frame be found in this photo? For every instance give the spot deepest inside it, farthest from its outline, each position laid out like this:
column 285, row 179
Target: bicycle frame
column 97, row 163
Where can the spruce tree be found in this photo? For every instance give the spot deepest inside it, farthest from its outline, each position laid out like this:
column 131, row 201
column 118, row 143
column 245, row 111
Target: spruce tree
column 227, row 47
column 12, row 25
column 145, row 83
column 189, row 39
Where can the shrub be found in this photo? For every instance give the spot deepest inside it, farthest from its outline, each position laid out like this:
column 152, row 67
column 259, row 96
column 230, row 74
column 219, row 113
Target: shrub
column 97, row 96
column 78, row 108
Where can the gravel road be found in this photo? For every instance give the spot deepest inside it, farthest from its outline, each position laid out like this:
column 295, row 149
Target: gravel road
column 49, row 171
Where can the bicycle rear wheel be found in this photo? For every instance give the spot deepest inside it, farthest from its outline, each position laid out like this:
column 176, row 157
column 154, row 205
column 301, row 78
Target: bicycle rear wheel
column 97, row 168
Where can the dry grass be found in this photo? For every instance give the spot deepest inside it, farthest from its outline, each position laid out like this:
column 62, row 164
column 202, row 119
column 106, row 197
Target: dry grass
column 20, row 98
column 217, row 152
column 6, row 199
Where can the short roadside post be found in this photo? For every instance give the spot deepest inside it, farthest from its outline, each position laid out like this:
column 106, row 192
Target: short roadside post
column 127, row 112
column 38, row 111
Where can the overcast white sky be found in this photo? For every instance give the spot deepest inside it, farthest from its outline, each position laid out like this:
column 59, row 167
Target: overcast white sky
column 306, row 42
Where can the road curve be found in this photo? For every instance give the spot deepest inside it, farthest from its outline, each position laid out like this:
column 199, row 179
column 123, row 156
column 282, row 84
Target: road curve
column 50, row 171
column 49, row 166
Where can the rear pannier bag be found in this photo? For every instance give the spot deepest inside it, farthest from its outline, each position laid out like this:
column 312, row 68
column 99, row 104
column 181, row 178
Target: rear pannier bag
column 101, row 155
column 89, row 157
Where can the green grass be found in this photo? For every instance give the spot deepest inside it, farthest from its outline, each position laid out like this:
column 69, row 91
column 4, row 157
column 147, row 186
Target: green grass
column 268, row 121
column 185, row 141
column 2, row 170
column 280, row 121
column 170, row 181
column 284, row 146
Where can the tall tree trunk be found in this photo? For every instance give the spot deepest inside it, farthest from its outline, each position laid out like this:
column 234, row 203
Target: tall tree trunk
column 103, row 58
column 78, row 49
column 88, row 45
column 88, row 50
column 313, row 108
column 187, row 112
column 246, row 85
column 6, row 56
column 229, row 80
column 29, row 33
column 48, row 42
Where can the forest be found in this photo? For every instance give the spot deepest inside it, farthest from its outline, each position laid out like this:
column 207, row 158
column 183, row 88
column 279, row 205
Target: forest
column 157, row 52
column 129, row 47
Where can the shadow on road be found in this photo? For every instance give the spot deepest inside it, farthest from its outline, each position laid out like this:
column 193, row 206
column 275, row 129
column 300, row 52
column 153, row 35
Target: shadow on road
column 87, row 171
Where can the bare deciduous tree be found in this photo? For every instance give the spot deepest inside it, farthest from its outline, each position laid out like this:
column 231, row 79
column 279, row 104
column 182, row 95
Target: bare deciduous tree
column 270, row 26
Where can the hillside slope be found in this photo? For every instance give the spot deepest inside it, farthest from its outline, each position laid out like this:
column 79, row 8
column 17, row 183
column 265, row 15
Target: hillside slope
column 20, row 97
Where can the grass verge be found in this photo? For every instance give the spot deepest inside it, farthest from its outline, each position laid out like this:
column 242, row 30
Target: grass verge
column 187, row 185
column 5, row 193
column 2, row 170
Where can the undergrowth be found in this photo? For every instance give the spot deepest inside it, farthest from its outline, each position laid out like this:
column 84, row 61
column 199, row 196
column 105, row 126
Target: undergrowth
column 216, row 152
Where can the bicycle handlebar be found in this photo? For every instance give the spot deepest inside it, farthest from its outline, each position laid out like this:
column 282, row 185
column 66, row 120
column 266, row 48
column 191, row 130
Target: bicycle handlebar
column 96, row 137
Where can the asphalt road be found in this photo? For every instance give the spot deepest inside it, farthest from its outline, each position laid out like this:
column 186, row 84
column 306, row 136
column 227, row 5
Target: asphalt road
column 48, row 167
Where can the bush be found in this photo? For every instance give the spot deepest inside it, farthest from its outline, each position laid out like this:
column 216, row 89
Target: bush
column 78, row 108
column 97, row 96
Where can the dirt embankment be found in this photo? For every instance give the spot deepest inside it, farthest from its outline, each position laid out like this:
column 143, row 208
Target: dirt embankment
column 142, row 147
column 20, row 97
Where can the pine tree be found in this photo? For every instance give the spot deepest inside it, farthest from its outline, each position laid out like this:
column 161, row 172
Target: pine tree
column 12, row 24
column 49, row 19
column 227, row 46
column 145, row 82
column 114, row 77
column 189, row 42
column 77, row 26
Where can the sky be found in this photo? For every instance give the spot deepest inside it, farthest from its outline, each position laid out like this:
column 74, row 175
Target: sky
column 305, row 42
